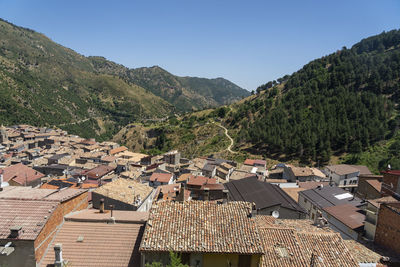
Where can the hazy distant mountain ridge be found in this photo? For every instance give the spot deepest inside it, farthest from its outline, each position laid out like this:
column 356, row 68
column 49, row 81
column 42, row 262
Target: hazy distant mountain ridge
column 185, row 93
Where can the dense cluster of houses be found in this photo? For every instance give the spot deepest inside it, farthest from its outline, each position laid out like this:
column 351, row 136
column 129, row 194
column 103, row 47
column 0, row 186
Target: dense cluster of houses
column 70, row 201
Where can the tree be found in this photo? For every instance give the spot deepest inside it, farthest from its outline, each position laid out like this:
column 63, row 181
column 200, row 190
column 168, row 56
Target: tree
column 175, row 261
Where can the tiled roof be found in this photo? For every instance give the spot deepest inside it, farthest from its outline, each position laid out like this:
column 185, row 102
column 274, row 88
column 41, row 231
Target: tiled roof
column 249, row 162
column 21, row 174
column 118, row 150
column 342, row 169
column 289, row 242
column 363, row 169
column 377, row 202
column 32, row 215
column 361, row 253
column 22, row 192
column 200, row 180
column 328, row 249
column 293, row 192
column 160, row 177
column 201, row 226
column 281, row 248
column 124, row 190
column 377, row 185
column 103, row 244
column 123, row 216
column 99, row 171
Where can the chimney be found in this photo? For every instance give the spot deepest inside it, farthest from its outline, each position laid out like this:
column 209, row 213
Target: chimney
column 253, row 210
column 1, row 181
column 14, row 231
column 225, row 196
column 101, row 207
column 58, row 261
column 206, row 194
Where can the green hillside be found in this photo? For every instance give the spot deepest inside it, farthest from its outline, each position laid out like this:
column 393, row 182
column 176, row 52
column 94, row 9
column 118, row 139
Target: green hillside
column 341, row 103
column 345, row 103
column 185, row 93
column 43, row 83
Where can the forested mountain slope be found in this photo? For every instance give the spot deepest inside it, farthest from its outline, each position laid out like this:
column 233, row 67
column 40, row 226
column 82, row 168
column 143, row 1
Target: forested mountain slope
column 343, row 102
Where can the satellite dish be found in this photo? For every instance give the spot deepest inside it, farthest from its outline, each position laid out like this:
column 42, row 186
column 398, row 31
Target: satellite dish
column 83, row 178
column 275, row 214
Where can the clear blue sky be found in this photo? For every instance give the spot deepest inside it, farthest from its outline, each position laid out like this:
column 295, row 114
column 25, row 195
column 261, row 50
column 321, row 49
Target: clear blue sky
column 247, row 42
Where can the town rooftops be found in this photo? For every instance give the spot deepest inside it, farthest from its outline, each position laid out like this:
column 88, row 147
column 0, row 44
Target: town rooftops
column 254, row 162
column 122, row 216
column 201, row 227
column 261, row 193
column 31, row 215
column 21, row 174
column 377, row 202
column 200, row 180
column 312, row 184
column 98, row 172
column 160, row 177
column 296, row 243
column 394, row 172
column 208, row 167
column 342, row 169
column 362, row 169
column 124, row 190
column 117, row 150
column 330, row 196
column 377, row 185
column 29, row 193
column 96, row 243
column 347, row 214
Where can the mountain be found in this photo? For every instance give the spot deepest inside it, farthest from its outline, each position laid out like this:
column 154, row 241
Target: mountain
column 344, row 103
column 44, row 83
column 185, row 93
column 340, row 103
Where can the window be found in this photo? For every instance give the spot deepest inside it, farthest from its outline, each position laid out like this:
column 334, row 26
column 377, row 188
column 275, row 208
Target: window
column 305, row 200
column 244, row 260
column 312, row 216
column 345, row 182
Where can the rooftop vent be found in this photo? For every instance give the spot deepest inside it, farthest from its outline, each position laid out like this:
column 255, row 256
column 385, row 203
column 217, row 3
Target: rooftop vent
column 15, row 231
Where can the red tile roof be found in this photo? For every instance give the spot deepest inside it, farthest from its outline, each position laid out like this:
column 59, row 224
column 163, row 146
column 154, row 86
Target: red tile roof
column 160, row 177
column 103, row 244
column 375, row 184
column 32, row 215
column 201, row 180
column 201, row 226
column 249, row 162
column 118, row 150
column 99, row 171
column 21, row 174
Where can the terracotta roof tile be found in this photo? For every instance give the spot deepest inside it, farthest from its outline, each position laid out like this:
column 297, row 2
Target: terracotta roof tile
column 124, row 190
column 161, row 177
column 103, row 244
column 21, row 174
column 201, row 226
column 32, row 215
column 375, row 184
